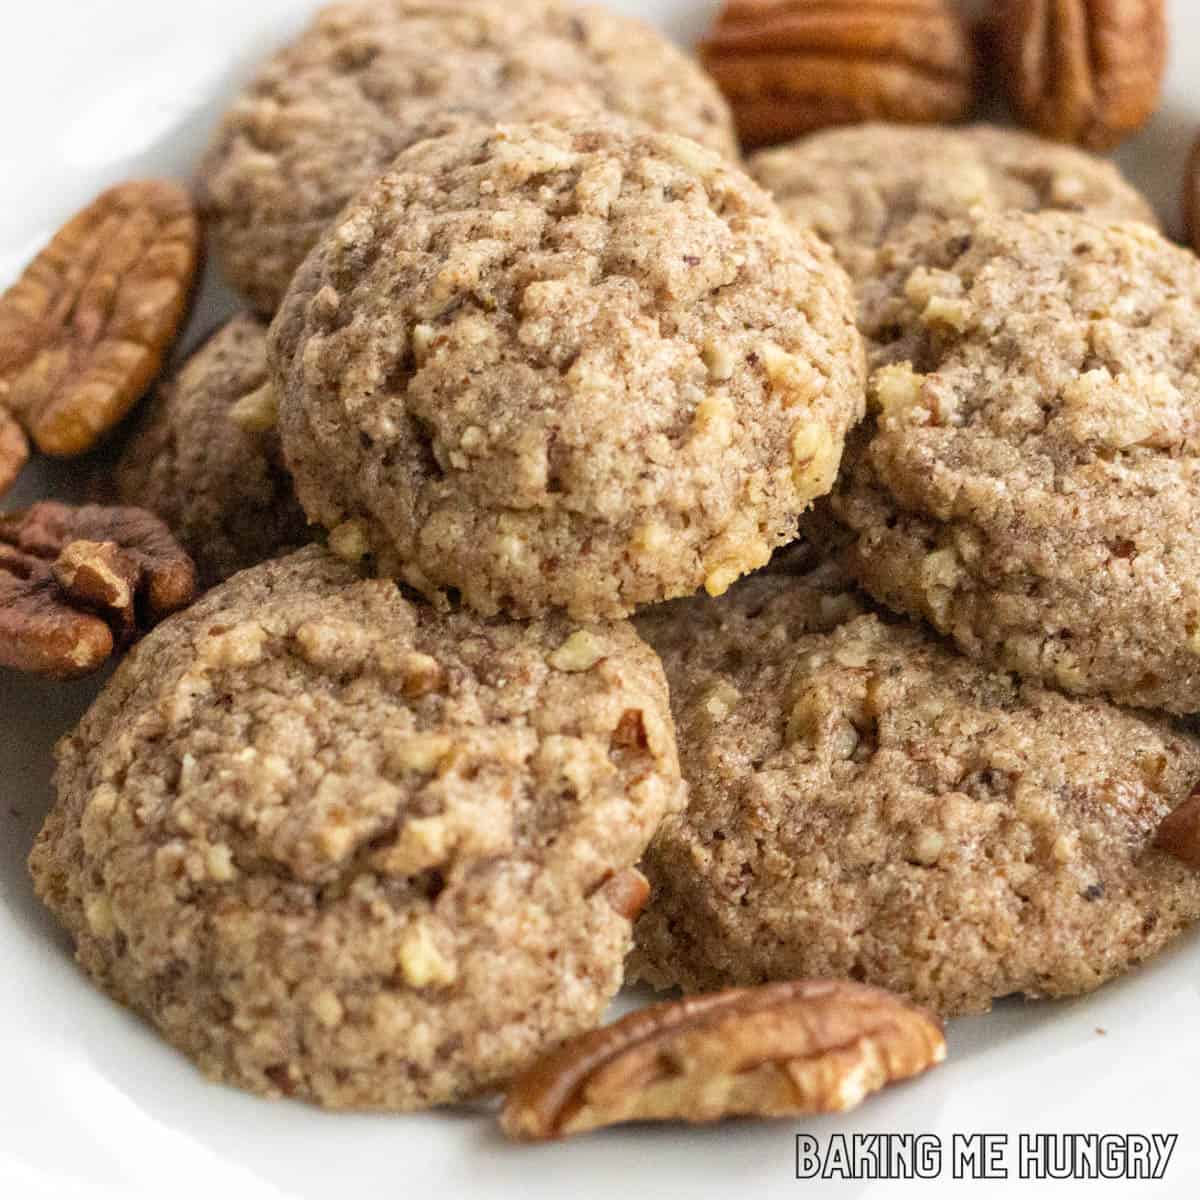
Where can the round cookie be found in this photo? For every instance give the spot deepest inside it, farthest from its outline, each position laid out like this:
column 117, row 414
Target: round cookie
column 326, row 115
column 343, row 847
column 866, row 804
column 586, row 367
column 222, row 487
column 1030, row 479
column 864, row 185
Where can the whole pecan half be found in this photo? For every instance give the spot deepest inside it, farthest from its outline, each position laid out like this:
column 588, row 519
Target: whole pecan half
column 1179, row 834
column 1086, row 71
column 14, row 450
column 791, row 66
column 85, row 328
column 78, row 583
column 780, row 1050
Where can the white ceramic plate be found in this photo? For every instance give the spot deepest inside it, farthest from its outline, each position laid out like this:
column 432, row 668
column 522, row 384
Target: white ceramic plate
column 93, row 1105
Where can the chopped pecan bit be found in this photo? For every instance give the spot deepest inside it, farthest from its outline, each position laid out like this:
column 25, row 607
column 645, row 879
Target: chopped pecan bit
column 1179, row 834
column 627, row 892
column 78, row 583
column 14, row 450
column 630, row 733
column 86, row 327
column 781, row 1050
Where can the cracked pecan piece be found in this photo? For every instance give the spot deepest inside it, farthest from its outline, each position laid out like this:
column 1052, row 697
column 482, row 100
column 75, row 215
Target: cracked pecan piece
column 86, row 327
column 788, row 67
column 1179, row 834
column 14, row 450
column 1086, row 71
column 77, row 584
column 787, row 1049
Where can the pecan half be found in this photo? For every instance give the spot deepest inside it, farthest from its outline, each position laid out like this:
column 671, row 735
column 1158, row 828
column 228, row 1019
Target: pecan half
column 1086, row 71
column 780, row 1050
column 791, row 66
column 14, row 450
column 85, row 328
column 1179, row 834
column 78, row 583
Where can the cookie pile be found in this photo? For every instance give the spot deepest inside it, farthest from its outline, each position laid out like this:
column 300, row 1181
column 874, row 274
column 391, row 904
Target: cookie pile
column 476, row 719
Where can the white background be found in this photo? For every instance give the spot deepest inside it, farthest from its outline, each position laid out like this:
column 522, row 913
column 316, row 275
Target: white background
column 93, row 1105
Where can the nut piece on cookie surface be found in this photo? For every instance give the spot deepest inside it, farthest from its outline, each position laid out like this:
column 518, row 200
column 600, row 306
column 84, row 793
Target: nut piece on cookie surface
column 1179, row 834
column 370, row 78
column 78, row 583
column 532, row 360
column 1086, row 71
column 872, row 805
column 786, row 1049
column 205, row 456
column 788, row 67
column 362, row 852
column 85, row 329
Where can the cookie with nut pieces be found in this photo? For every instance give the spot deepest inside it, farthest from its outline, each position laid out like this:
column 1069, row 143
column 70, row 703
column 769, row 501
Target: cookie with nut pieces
column 205, row 457
column 327, row 114
column 584, row 366
column 863, row 186
column 1028, row 478
column 361, row 852
column 866, row 804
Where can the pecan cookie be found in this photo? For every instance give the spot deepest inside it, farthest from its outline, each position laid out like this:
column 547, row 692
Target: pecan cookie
column 328, row 113
column 578, row 366
column 1030, row 477
column 866, row 804
column 865, row 185
column 206, row 458
column 342, row 847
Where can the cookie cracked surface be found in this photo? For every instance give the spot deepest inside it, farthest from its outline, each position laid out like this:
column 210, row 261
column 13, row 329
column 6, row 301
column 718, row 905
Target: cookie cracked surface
column 867, row 804
column 343, row 847
column 581, row 367
column 326, row 114
column 1029, row 478
column 864, row 185
column 220, row 486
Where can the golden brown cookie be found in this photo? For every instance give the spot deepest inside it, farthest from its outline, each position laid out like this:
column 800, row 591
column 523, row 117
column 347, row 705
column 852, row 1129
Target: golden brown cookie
column 343, row 847
column 1029, row 478
column 586, row 367
column 865, row 185
column 865, row 803
column 206, row 458
column 326, row 114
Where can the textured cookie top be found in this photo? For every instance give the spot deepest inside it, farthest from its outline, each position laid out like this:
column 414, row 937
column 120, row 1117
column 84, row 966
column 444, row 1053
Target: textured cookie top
column 334, row 842
column 1031, row 477
column 219, row 484
column 867, row 804
column 586, row 367
column 326, row 114
column 864, row 185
